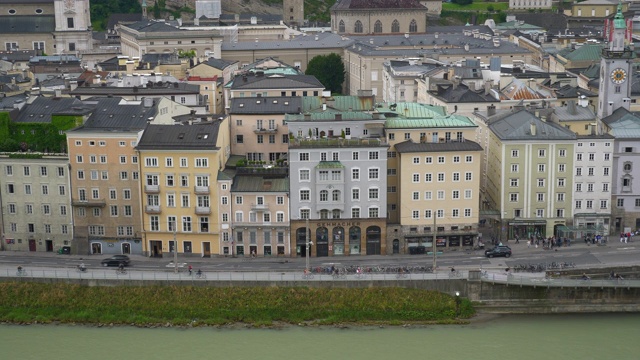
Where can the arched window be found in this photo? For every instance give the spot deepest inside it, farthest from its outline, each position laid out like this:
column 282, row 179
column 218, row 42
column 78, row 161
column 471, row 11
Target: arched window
column 627, row 167
column 413, row 27
column 395, row 26
column 341, row 26
column 335, row 195
column 358, row 27
column 377, row 28
column 335, row 214
column 324, row 214
column 324, row 195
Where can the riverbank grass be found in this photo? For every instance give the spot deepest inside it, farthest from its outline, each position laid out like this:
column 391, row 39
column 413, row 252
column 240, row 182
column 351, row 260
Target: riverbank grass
column 213, row 306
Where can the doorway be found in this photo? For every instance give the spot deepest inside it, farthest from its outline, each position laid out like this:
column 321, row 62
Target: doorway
column 96, row 248
column 206, row 248
column 32, row 245
column 126, row 248
column 49, row 245
column 156, row 248
column 396, row 246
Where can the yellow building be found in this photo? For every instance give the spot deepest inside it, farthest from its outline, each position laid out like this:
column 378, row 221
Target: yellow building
column 179, row 166
column 438, row 193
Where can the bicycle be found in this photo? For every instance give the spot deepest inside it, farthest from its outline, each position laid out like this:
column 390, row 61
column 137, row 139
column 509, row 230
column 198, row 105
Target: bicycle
column 339, row 275
column 402, row 275
column 121, row 271
column 21, row 272
column 201, row 275
column 455, row 274
column 484, row 274
column 307, row 275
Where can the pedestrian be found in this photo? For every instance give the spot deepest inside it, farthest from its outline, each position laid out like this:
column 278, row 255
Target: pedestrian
column 517, row 239
column 190, row 269
column 529, row 243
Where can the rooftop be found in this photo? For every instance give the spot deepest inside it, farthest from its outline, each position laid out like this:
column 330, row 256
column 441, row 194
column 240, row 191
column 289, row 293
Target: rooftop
column 376, row 4
column 519, row 124
column 623, row 124
column 265, row 105
column 412, row 147
column 259, row 184
column 263, row 81
column 112, row 114
column 200, row 136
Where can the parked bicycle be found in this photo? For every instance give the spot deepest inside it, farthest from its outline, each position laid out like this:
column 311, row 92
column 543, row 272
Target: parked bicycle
column 307, row 274
column 21, row 271
column 121, row 271
column 454, row 274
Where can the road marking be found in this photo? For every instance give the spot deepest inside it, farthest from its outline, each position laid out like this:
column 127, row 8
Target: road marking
column 626, row 248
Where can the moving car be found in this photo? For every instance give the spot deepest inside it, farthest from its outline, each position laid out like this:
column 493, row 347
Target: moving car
column 498, row 251
column 116, row 260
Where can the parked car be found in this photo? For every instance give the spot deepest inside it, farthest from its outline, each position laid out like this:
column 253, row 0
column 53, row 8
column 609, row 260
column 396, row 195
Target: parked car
column 116, row 260
column 498, row 251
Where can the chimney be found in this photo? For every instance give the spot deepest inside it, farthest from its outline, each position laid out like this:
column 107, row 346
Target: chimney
column 491, row 110
column 456, row 81
column 487, row 87
column 583, row 101
column 571, row 107
column 73, row 84
column 148, row 102
column 533, row 129
column 324, row 107
column 307, row 116
column 58, row 93
column 130, row 66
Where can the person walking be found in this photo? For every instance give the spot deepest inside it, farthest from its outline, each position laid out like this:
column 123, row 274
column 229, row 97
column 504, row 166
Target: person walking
column 517, row 239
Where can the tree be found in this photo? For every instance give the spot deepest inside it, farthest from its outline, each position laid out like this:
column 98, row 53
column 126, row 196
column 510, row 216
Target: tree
column 329, row 69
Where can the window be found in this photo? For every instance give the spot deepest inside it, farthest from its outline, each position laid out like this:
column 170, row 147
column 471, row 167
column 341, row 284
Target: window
column 540, row 197
column 440, row 159
column 202, row 162
column 70, row 25
column 123, row 175
column 455, row 194
column 605, row 187
column 170, row 181
column 373, row 212
column 468, row 176
column 540, row 167
column 468, row 194
column 355, row 213
column 373, row 194
column 514, row 168
column 415, row 214
column 456, row 176
column 560, row 196
column 171, row 200
column 579, row 156
column 607, row 156
column 415, row 195
column 428, row 160
column 357, row 27
column 43, row 171
column 416, row 178
column 128, row 210
column 26, row 170
column 428, row 177
column 303, row 156
column 324, row 195
column 238, row 200
column 604, row 204
column 304, row 213
column 590, row 171
column 154, row 222
column 428, row 195
column 239, row 139
column 513, row 182
column 280, row 200
column 542, row 153
column 539, row 213
column 373, row 155
column 186, row 223
column 184, row 162
column 559, row 213
column 112, row 194
column 373, row 174
column 46, row 209
column 355, row 155
column 323, row 175
column 440, row 177
column 27, row 189
column 620, row 203
column 440, row 194
column 103, row 159
column 578, row 171
column 515, row 153
column 9, row 170
column 204, row 224
column 561, row 182
column 513, row 197
column 578, row 204
column 540, row 182
column 168, row 162
column 114, row 210
column 355, row 194
column 151, row 162
column 395, row 26
column 29, row 209
column 185, row 200
column 304, row 195
column 63, row 210
column 355, row 174
column 561, row 167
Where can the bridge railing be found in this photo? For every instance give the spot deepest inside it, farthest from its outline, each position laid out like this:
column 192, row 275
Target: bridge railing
column 501, row 278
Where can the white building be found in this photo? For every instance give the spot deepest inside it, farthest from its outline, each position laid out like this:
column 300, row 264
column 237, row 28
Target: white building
column 529, row 4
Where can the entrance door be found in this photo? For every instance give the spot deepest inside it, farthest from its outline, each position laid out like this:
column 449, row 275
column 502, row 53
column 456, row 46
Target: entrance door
column 156, row 248
column 373, row 240
column 206, row 248
column 322, row 250
column 126, row 248
column 32, row 245
column 96, row 248
column 396, row 246
column 49, row 245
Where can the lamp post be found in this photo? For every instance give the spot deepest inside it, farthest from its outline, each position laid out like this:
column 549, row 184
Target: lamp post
column 457, row 303
column 308, row 243
column 175, row 247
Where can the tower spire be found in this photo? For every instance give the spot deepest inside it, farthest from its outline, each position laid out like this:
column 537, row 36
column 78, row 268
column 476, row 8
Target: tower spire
column 618, row 20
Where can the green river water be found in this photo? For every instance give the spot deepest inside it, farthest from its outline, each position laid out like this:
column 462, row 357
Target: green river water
column 539, row 337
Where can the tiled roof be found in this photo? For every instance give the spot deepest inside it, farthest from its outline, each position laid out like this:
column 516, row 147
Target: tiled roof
column 152, row 26
column 265, row 105
column 200, row 136
column 6, row 103
column 585, row 52
column 324, row 41
column 516, row 125
column 518, row 90
column 219, row 64
column 412, row 147
column 335, row 116
column 259, row 184
column 251, row 81
column 110, row 116
column 376, row 4
column 41, row 109
column 19, row 55
column 329, row 165
column 27, row 24
column 623, row 124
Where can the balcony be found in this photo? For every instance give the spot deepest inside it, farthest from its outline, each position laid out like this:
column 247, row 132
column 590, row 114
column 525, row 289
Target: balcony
column 90, row 203
column 201, row 190
column 262, row 130
column 203, row 210
column 152, row 189
column 152, row 209
column 259, row 207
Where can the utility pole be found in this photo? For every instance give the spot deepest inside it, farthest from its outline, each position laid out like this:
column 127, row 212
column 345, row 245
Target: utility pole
column 175, row 247
column 306, row 230
column 435, row 236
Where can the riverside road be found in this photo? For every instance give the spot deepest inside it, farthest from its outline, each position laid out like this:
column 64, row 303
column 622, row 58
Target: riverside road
column 583, row 256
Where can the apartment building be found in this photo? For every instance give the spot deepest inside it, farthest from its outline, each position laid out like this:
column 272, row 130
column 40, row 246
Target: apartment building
column 438, row 194
column 179, row 166
column 36, row 202
column 528, row 167
column 105, row 177
column 260, row 215
column 338, row 183
column 259, row 132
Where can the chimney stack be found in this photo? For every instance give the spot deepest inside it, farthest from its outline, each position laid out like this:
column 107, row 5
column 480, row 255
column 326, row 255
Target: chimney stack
column 533, row 129
column 571, row 107
column 491, row 110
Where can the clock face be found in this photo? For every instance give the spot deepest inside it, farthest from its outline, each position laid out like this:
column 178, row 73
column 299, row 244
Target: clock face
column 69, row 4
column 618, row 76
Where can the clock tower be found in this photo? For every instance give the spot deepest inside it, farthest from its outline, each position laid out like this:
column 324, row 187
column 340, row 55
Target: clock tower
column 73, row 26
column 615, row 70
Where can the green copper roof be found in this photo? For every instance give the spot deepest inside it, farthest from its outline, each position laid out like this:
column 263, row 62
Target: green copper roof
column 338, row 103
column 331, row 116
column 451, row 121
column 329, row 165
column 618, row 21
column 413, row 110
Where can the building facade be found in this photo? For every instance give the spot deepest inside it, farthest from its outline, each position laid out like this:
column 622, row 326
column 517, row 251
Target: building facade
column 36, row 202
column 378, row 17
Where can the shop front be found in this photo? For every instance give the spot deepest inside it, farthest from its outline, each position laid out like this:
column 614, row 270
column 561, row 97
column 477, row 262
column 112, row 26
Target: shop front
column 526, row 229
column 340, row 238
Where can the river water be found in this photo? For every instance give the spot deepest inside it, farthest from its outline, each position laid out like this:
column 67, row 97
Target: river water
column 601, row 336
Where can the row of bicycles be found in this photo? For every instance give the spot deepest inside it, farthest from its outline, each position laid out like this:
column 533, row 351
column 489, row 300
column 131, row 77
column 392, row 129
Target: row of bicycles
column 541, row 267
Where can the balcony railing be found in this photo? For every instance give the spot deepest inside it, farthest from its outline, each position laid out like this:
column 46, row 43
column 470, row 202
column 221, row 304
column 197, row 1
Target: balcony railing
column 152, row 189
column 203, row 210
column 152, row 209
column 201, row 190
column 90, row 203
column 259, row 207
column 268, row 130
column 337, row 142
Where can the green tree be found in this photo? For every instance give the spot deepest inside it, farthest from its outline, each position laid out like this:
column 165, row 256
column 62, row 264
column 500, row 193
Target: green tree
column 462, row 2
column 329, row 69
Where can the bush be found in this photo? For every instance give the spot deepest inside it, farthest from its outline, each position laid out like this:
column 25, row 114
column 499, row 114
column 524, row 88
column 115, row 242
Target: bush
column 462, row 2
column 490, row 8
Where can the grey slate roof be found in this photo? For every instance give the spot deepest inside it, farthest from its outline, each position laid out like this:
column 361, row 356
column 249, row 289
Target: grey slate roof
column 376, row 4
column 412, row 147
column 110, row 116
column 41, row 109
column 152, row 26
column 157, row 90
column 568, row 91
column 623, row 124
column 259, row 184
column 20, row 55
column 219, row 63
column 27, row 24
column 262, row 19
column 115, row 19
column 516, row 125
column 266, row 105
column 460, row 94
column 564, row 113
column 201, row 136
column 548, row 21
column 6, row 103
column 250, row 81
column 457, row 29
column 156, row 59
column 325, row 40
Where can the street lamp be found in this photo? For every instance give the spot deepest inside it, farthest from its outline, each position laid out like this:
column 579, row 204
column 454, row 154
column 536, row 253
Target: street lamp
column 457, row 303
column 309, row 244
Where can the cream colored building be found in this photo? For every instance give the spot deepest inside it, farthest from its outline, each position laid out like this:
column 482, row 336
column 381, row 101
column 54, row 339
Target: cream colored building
column 260, row 215
column 179, row 168
column 438, row 194
column 378, row 17
column 596, row 8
